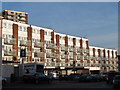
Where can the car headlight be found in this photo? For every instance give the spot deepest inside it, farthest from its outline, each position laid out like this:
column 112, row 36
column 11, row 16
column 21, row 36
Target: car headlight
column 113, row 81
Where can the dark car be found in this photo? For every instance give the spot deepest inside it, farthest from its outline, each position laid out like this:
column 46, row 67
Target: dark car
column 36, row 78
column 116, row 81
column 96, row 77
column 65, row 77
column 110, row 76
column 85, row 78
column 74, row 76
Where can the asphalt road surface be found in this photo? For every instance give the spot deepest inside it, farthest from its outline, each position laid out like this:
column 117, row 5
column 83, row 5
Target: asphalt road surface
column 58, row 84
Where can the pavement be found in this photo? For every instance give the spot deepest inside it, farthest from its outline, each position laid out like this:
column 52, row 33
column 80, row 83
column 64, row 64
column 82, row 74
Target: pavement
column 56, row 84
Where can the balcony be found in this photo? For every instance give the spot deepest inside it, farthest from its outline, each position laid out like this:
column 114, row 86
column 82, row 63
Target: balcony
column 10, row 18
column 71, row 49
column 85, row 64
column 9, row 13
column 49, row 46
column 86, row 58
column 38, row 44
column 62, row 65
column 52, row 55
column 56, row 47
column 63, row 48
column 89, row 65
column 104, row 65
column 92, row 58
column 103, row 58
column 28, row 53
column 9, row 52
column 57, row 56
column 53, row 64
column 57, row 64
column 22, row 19
column 38, row 54
column 98, row 58
column 10, row 41
column 25, row 43
column 79, row 50
column 71, row 57
column 48, row 64
column 63, row 56
column 22, row 15
column 28, row 43
column 78, row 57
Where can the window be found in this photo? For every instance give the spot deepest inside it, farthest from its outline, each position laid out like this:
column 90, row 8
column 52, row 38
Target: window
column 38, row 31
column 4, row 25
column 45, row 33
column 9, row 26
column 33, row 31
column 20, row 28
column 78, row 41
column 25, row 29
column 49, row 33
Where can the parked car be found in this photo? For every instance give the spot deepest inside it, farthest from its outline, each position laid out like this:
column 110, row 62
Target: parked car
column 65, row 77
column 36, row 78
column 110, row 76
column 85, row 78
column 116, row 81
column 104, row 77
column 55, row 75
column 96, row 77
column 74, row 76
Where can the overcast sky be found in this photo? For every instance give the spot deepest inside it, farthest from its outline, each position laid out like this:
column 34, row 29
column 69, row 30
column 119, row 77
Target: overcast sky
column 97, row 21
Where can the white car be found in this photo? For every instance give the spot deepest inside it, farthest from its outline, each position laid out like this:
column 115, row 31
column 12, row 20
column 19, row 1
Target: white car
column 56, row 75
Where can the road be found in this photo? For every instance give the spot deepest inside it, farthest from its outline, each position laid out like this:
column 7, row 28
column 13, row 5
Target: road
column 59, row 85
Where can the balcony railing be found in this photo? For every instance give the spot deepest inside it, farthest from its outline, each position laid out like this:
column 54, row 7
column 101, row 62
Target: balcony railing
column 63, row 56
column 9, row 17
column 52, row 55
column 38, row 44
column 28, row 43
column 51, row 46
column 85, row 50
column 103, row 58
column 79, row 50
column 78, row 57
column 22, row 15
column 71, row 49
column 9, row 41
column 28, row 53
column 25, row 43
column 62, row 64
column 92, row 58
column 9, row 13
column 22, row 19
column 57, row 64
column 71, row 57
column 9, row 52
column 62, row 48
column 86, row 57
